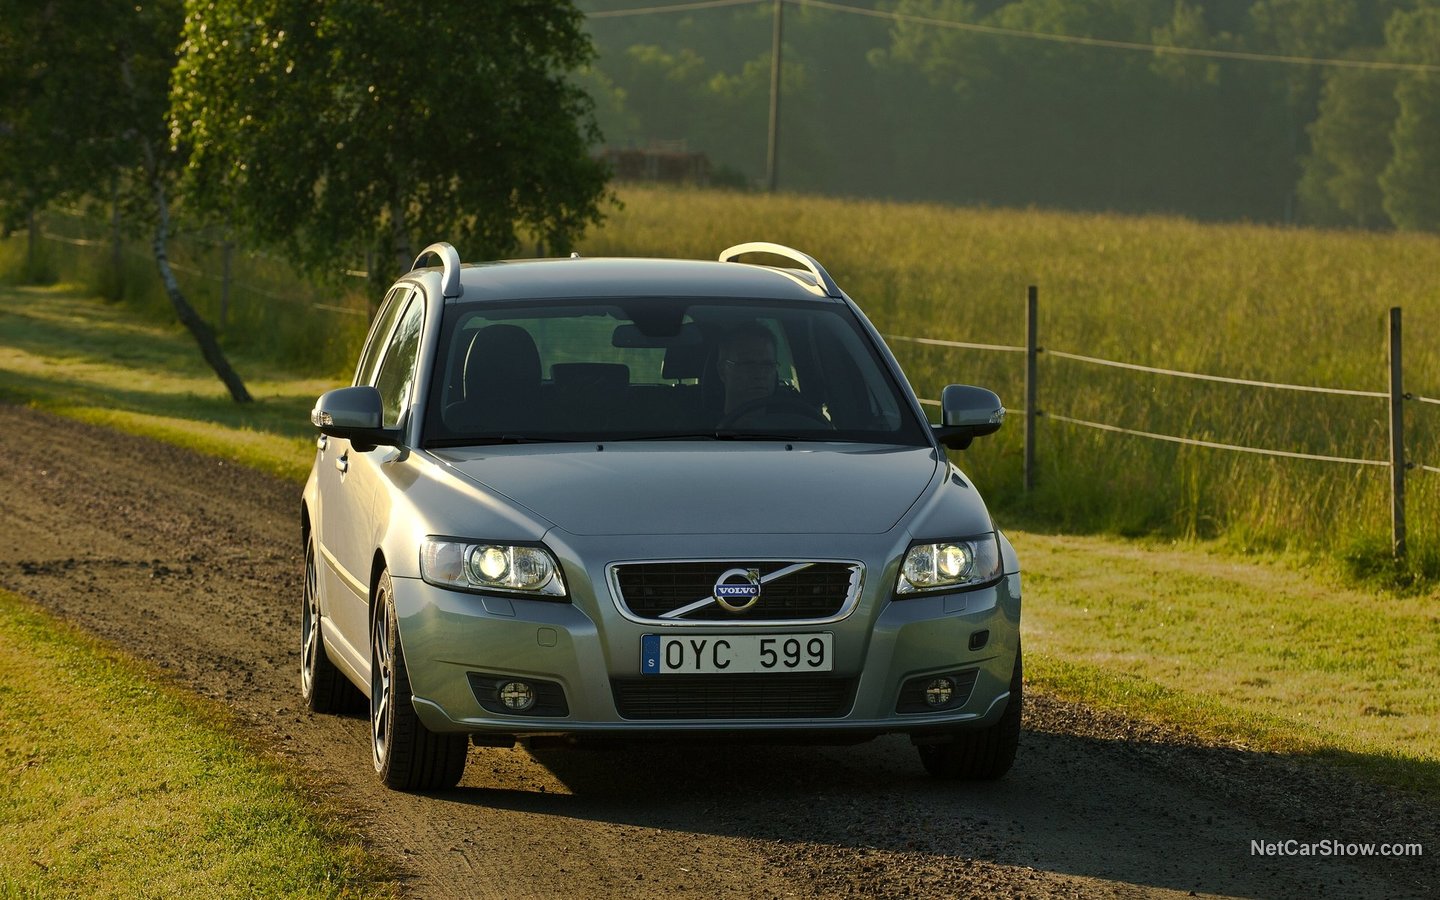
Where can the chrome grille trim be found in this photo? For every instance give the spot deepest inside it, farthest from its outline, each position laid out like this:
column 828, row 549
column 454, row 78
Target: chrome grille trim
column 753, row 618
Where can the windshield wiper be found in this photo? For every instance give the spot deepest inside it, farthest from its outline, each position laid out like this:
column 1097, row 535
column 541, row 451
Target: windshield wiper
column 490, row 440
column 662, row 436
column 731, row 434
column 728, row 434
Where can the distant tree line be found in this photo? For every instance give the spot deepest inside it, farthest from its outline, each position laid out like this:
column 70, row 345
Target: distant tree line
column 907, row 108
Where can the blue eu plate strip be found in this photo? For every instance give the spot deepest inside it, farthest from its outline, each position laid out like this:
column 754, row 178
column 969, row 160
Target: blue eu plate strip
column 650, row 654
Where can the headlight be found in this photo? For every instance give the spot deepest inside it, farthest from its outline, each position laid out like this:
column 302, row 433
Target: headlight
column 474, row 566
column 949, row 565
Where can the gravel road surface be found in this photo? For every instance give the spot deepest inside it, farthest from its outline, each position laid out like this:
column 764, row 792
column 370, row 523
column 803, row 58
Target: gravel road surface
column 195, row 565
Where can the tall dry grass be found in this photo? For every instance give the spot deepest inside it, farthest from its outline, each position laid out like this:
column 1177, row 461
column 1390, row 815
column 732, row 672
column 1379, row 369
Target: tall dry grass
column 1256, row 302
column 271, row 312
column 1263, row 303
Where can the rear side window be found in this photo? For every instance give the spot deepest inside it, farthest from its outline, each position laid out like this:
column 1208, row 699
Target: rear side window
column 397, row 372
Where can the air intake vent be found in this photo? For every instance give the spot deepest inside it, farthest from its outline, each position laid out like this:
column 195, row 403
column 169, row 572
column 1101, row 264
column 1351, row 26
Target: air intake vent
column 733, row 697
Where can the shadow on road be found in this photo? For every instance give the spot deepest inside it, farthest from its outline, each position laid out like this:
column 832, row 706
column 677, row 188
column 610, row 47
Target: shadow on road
column 1151, row 815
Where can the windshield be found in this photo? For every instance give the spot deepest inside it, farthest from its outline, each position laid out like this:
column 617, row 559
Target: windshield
column 658, row 369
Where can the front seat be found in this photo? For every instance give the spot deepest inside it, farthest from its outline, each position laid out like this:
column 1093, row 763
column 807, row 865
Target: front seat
column 501, row 383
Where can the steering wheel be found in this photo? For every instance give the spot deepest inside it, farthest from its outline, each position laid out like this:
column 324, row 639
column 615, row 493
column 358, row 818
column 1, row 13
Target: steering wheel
column 779, row 402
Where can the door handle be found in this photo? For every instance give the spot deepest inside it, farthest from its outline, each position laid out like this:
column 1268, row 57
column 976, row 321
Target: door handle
column 343, row 463
column 322, row 442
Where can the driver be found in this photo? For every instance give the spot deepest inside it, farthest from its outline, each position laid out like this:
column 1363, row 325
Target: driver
column 748, row 365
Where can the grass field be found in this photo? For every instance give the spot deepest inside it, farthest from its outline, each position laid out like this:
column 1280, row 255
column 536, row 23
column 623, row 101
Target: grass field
column 1261, row 651
column 1266, row 304
column 120, row 785
column 1261, row 303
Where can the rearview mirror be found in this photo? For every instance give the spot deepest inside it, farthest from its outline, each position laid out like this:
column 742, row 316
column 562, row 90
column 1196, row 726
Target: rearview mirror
column 629, row 336
column 354, row 414
column 967, row 412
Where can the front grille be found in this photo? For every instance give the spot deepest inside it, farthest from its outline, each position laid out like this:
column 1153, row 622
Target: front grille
column 822, row 590
column 733, row 696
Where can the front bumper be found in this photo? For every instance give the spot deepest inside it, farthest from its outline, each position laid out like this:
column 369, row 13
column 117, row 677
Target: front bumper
column 586, row 648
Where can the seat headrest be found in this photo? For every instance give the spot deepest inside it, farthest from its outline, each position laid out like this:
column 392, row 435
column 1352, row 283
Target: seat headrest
column 684, row 361
column 502, row 357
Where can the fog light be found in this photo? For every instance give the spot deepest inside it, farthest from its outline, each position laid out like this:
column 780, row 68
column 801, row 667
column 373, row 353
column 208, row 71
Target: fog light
column 517, row 695
column 939, row 692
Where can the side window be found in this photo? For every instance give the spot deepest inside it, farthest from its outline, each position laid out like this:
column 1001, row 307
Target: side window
column 389, row 310
column 397, row 372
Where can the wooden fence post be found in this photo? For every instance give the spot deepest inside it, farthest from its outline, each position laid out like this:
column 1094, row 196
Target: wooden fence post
column 1397, row 439
column 1032, row 351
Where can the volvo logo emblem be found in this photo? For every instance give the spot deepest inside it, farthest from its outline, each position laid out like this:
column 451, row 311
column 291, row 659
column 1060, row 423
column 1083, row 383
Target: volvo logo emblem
column 737, row 589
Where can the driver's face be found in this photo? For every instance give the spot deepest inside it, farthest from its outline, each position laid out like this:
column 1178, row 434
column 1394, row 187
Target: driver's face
column 748, row 373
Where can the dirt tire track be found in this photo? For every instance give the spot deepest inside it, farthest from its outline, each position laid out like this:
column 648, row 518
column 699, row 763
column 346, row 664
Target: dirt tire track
column 195, row 565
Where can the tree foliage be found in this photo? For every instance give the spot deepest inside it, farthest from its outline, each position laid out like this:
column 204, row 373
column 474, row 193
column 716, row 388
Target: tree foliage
column 1411, row 182
column 971, row 101
column 351, row 126
column 1350, row 148
column 70, row 124
column 83, row 93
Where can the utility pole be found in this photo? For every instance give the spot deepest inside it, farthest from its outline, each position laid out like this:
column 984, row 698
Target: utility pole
column 772, row 155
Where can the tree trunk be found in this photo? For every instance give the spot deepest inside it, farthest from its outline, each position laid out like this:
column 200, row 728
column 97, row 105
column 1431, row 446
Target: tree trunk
column 400, row 238
column 199, row 328
column 117, row 259
column 375, row 282
column 32, row 241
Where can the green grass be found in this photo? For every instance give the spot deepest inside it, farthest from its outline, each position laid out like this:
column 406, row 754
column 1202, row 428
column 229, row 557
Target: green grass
column 1263, row 303
column 118, row 784
column 1260, row 653
column 1262, row 610
column 65, row 351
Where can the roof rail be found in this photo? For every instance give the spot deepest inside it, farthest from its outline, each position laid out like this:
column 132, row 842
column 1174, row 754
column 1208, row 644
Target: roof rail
column 450, row 278
column 823, row 277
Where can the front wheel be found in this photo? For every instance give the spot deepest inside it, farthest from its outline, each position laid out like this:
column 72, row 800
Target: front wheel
column 408, row 756
column 983, row 754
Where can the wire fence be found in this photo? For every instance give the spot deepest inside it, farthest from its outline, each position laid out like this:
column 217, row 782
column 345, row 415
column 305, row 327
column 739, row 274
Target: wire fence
column 1398, row 463
column 226, row 278
column 1175, row 439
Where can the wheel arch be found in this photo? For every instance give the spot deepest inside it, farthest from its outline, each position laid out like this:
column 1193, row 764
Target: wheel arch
column 378, row 567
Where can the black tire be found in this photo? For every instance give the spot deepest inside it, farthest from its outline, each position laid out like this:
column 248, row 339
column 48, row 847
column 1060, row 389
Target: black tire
column 983, row 754
column 407, row 755
column 323, row 686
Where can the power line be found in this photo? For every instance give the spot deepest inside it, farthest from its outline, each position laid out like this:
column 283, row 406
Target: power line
column 1120, row 45
column 672, row 8
column 1075, row 40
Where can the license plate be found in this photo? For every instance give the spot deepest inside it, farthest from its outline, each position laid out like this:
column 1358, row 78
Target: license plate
column 736, row 654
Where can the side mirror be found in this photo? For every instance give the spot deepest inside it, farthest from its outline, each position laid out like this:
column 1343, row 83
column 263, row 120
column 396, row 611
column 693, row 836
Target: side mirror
column 354, row 414
column 967, row 412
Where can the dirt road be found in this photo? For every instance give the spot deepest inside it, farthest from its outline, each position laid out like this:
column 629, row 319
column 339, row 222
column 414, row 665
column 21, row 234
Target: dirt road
column 195, row 565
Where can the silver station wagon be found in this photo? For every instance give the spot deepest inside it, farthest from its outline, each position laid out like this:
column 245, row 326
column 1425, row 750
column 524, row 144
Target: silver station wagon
column 591, row 500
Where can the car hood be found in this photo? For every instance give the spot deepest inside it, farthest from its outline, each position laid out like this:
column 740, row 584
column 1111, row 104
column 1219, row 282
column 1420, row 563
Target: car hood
column 706, row 488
